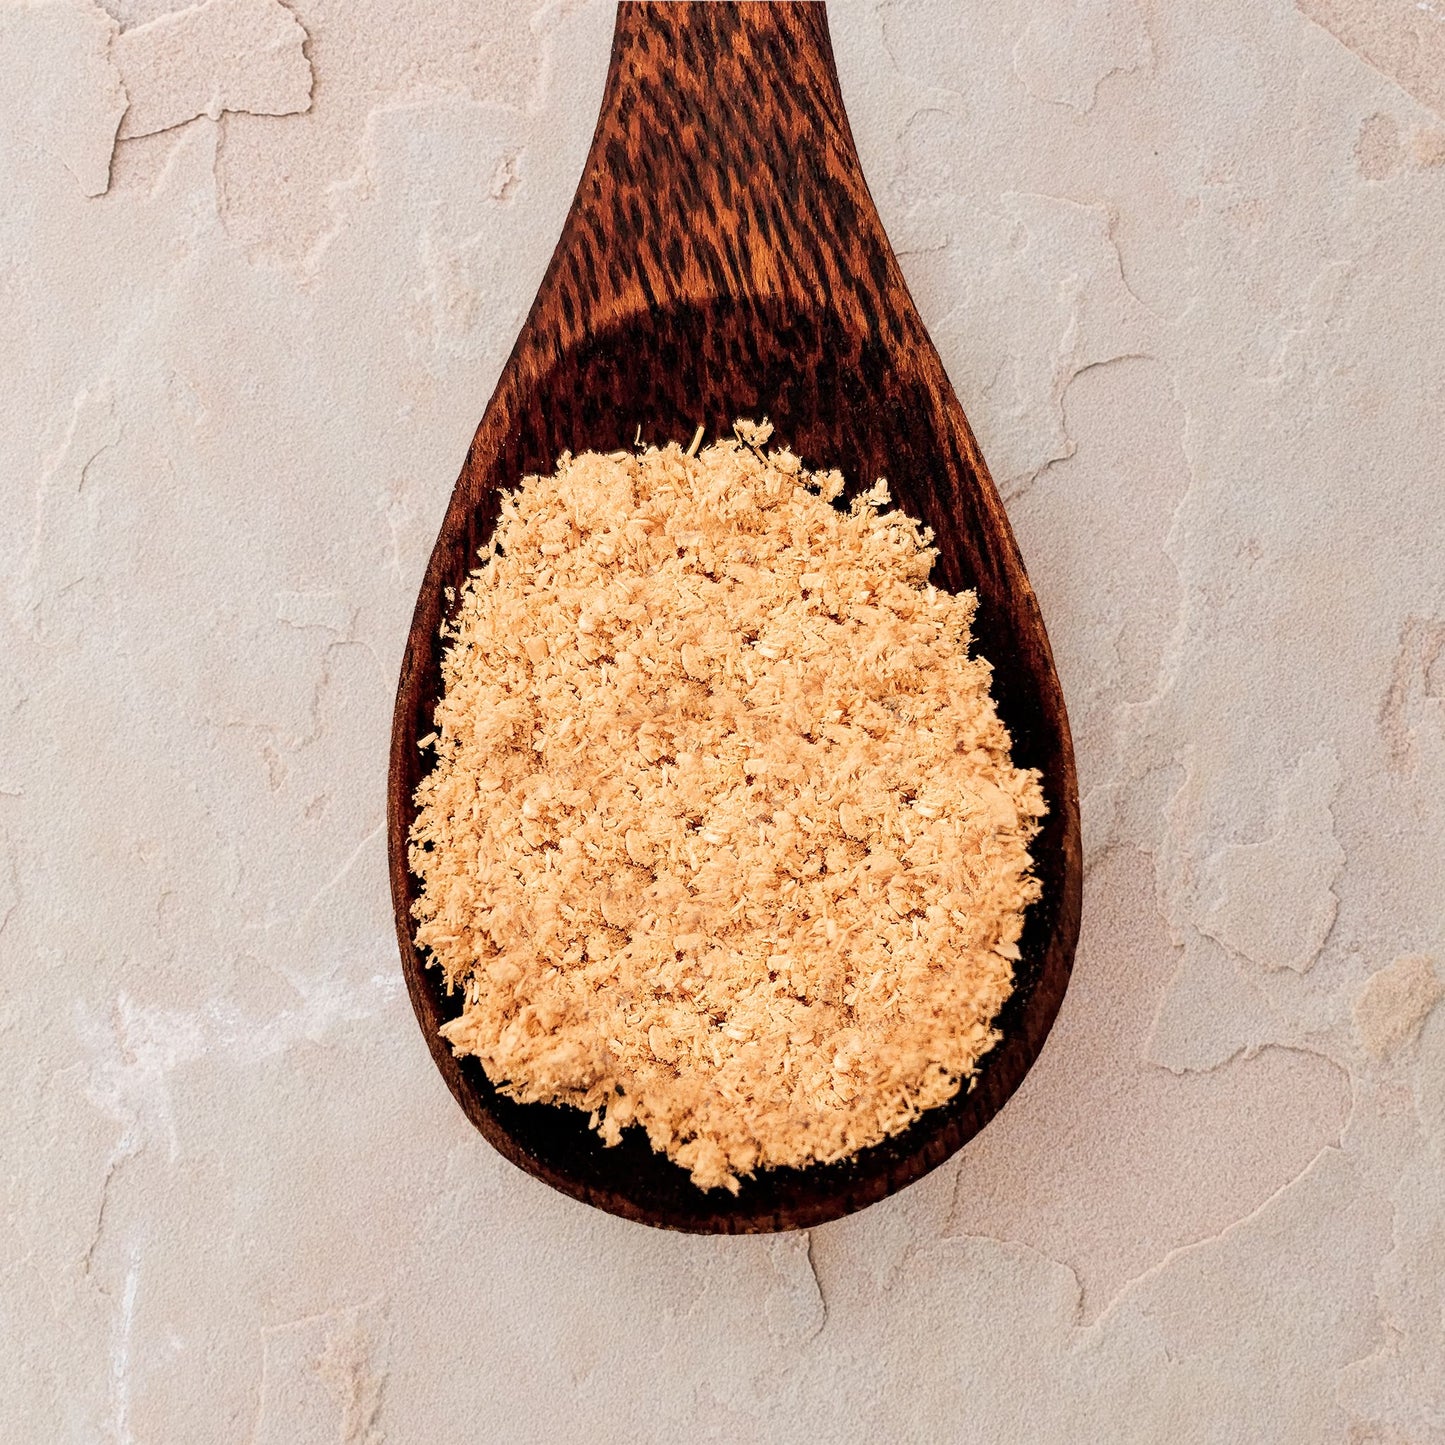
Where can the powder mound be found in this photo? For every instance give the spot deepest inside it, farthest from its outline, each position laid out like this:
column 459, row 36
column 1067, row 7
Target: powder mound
column 723, row 836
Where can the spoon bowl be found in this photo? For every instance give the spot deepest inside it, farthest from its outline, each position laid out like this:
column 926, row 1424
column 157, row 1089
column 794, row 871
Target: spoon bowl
column 723, row 259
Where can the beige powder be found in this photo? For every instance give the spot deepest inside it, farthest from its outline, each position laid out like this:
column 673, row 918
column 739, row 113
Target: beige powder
column 723, row 836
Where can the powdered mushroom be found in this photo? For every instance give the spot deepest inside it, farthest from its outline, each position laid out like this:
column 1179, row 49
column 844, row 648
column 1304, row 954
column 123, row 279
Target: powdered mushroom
column 723, row 837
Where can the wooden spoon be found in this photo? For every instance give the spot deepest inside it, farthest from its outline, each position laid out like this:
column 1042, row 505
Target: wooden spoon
column 723, row 259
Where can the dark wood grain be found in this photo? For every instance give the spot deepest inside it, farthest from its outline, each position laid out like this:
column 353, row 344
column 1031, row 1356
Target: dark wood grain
column 724, row 259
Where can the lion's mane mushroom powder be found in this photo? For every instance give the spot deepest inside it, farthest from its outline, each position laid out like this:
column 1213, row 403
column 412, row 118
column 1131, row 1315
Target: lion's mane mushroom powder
column 723, row 836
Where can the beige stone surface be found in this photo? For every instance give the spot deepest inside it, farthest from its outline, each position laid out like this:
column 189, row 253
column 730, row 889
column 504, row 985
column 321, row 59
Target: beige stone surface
column 260, row 264
column 1395, row 1002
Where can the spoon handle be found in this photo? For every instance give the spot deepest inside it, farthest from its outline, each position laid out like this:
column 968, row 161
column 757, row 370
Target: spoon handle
column 722, row 165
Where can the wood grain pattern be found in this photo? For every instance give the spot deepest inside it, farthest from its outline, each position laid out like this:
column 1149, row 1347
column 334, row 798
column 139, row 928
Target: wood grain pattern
column 722, row 259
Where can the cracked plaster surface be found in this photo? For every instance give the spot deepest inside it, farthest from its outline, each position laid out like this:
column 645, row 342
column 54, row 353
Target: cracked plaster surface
column 223, row 55
column 262, row 264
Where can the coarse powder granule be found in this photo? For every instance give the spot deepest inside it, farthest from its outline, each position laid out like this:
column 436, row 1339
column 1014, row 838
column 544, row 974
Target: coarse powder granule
column 723, row 836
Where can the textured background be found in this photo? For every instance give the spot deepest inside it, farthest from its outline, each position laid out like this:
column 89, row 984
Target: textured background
column 259, row 268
